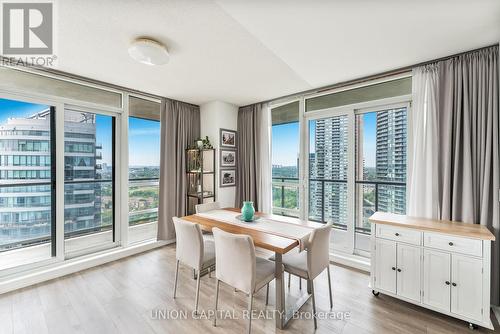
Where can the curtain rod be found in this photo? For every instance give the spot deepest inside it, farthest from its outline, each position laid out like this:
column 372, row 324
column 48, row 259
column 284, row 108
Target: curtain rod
column 400, row 70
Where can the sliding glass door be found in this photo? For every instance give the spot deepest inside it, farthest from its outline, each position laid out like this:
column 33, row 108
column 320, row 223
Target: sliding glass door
column 89, row 181
column 339, row 156
column 328, row 175
column 27, row 183
column 381, row 142
column 356, row 163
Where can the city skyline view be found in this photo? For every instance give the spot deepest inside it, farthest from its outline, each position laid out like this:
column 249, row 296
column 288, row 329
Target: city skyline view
column 26, row 162
column 143, row 149
column 380, row 155
column 285, row 142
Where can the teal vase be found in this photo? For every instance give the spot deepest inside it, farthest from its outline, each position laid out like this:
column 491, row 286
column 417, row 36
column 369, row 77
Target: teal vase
column 247, row 211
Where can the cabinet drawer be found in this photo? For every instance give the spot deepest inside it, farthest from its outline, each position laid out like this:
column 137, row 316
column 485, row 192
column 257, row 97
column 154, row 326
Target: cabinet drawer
column 399, row 234
column 453, row 244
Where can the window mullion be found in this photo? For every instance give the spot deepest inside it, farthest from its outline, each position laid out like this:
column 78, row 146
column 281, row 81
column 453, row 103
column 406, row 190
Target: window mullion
column 59, row 181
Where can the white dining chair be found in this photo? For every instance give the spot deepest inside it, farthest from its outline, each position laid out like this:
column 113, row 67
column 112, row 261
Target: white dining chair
column 200, row 208
column 193, row 251
column 311, row 262
column 238, row 267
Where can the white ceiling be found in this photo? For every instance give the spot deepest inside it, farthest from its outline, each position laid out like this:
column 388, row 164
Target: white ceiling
column 242, row 51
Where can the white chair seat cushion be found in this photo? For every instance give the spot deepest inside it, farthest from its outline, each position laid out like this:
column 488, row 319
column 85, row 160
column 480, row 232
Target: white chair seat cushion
column 295, row 263
column 208, row 253
column 264, row 272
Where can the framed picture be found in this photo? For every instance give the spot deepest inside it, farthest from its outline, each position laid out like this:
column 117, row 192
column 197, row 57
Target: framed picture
column 227, row 138
column 227, row 158
column 228, row 178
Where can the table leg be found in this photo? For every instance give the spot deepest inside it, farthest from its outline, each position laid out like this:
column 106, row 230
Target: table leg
column 280, row 291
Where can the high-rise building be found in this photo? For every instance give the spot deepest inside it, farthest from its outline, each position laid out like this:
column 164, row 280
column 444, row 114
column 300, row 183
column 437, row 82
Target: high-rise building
column 25, row 157
column 391, row 159
column 330, row 164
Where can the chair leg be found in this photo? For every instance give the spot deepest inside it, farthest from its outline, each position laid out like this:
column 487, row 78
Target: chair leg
column 216, row 300
column 250, row 301
column 289, row 279
column 300, row 283
column 330, row 287
column 197, row 292
column 267, row 294
column 194, row 273
column 313, row 305
column 176, row 275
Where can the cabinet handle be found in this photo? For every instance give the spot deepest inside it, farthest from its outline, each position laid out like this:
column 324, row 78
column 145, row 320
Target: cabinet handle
column 396, row 234
column 454, row 284
column 393, row 268
column 447, row 283
column 399, row 270
column 450, row 243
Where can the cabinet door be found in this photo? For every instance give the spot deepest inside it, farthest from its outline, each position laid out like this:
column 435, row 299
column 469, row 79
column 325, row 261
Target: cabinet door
column 467, row 286
column 437, row 281
column 385, row 272
column 408, row 271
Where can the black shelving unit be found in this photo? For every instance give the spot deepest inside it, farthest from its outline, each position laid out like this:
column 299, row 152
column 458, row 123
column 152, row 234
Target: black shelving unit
column 200, row 174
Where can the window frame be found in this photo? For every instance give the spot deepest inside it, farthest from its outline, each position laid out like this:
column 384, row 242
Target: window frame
column 348, row 250
column 116, row 172
column 56, row 237
column 125, row 210
column 350, row 234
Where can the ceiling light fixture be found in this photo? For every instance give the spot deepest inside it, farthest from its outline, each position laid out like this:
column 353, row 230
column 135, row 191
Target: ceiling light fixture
column 148, row 51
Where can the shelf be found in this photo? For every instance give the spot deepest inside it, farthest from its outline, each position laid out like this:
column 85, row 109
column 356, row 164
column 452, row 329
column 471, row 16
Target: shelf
column 199, row 150
column 199, row 172
column 199, row 196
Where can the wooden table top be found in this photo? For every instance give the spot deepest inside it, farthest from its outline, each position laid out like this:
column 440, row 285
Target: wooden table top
column 261, row 239
column 474, row 231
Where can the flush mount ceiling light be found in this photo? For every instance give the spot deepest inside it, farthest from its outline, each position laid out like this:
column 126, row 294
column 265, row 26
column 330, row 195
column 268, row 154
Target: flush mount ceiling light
column 148, row 51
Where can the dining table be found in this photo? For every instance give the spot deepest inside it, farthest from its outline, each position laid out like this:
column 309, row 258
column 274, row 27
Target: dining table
column 278, row 234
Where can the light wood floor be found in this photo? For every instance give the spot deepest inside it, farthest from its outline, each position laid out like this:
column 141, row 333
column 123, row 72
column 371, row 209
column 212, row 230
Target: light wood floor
column 119, row 298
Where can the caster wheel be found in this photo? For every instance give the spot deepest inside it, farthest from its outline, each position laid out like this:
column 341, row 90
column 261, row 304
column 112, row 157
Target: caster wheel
column 375, row 293
column 472, row 326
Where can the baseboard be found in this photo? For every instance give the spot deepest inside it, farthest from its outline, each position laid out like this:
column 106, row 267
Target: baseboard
column 353, row 261
column 496, row 312
column 77, row 264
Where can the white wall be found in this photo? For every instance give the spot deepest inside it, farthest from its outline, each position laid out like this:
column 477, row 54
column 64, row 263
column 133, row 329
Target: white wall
column 214, row 116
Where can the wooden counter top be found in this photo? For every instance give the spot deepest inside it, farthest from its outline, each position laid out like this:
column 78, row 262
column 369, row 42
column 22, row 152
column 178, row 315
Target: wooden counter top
column 474, row 231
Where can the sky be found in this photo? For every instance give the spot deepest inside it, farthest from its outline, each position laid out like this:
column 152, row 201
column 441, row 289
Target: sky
column 17, row 109
column 144, row 135
column 285, row 141
column 285, row 144
column 144, row 142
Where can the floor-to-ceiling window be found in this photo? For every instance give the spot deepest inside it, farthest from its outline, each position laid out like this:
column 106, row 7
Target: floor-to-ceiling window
column 27, row 190
column 144, row 169
column 353, row 150
column 285, row 159
column 66, row 189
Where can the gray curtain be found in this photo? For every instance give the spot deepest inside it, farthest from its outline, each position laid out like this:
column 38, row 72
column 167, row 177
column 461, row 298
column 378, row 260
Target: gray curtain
column 468, row 159
column 180, row 126
column 248, row 155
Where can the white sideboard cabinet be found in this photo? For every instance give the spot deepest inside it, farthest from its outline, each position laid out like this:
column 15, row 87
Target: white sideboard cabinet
column 441, row 265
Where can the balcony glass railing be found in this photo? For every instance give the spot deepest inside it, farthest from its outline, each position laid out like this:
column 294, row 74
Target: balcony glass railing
column 143, row 200
column 328, row 200
column 286, row 196
column 25, row 219
column 372, row 196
